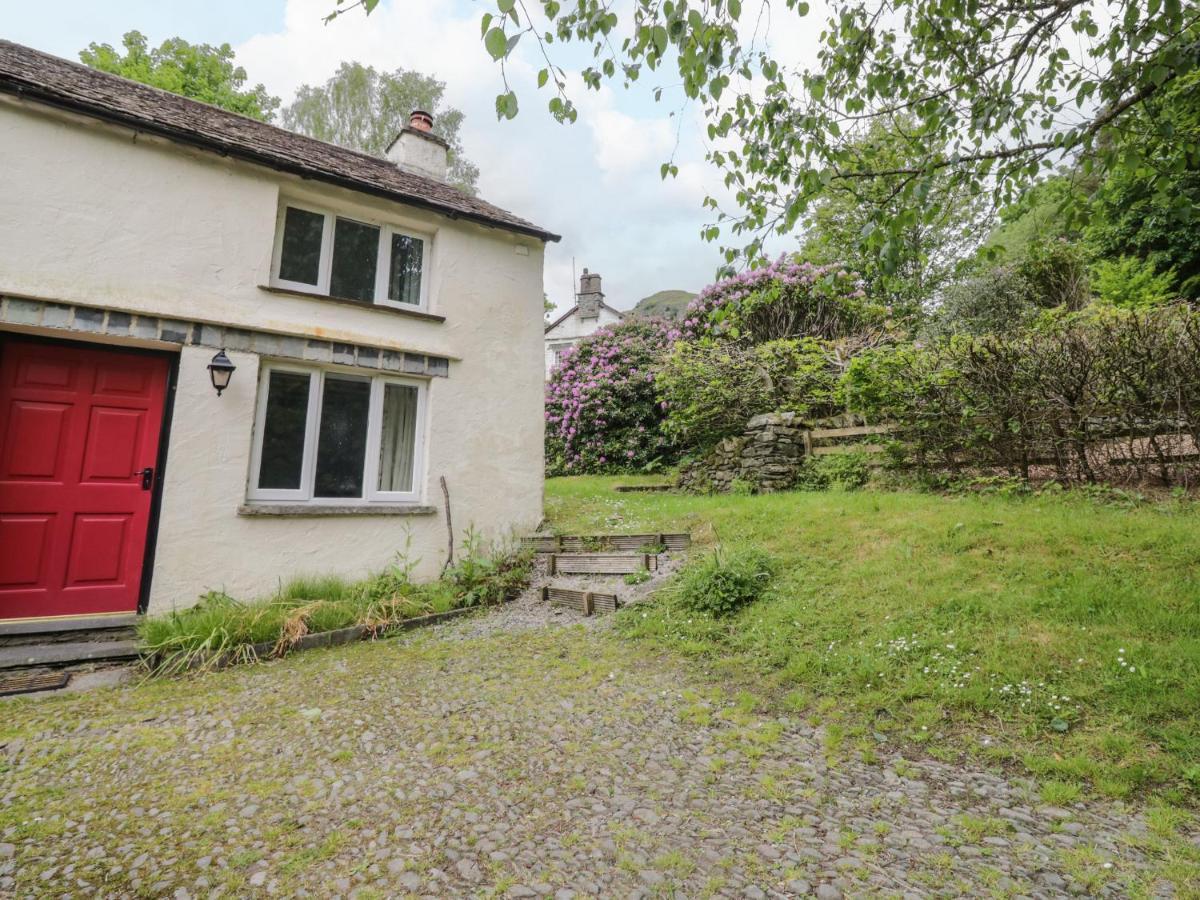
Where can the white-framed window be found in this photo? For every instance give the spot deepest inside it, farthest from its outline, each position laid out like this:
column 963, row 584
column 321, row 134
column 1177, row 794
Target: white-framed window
column 325, row 436
column 320, row 251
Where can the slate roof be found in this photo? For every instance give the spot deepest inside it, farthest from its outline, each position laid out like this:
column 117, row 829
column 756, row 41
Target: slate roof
column 574, row 309
column 38, row 76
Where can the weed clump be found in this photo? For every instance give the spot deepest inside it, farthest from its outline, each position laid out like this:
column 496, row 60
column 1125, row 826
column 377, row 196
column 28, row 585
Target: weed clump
column 220, row 628
column 724, row 581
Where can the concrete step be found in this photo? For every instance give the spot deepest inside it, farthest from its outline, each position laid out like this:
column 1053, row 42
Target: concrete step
column 66, row 653
column 601, row 563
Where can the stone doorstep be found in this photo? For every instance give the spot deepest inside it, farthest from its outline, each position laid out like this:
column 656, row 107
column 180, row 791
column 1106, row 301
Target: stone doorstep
column 66, row 653
column 66, row 623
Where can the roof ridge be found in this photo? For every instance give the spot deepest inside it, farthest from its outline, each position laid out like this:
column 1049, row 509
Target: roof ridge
column 101, row 94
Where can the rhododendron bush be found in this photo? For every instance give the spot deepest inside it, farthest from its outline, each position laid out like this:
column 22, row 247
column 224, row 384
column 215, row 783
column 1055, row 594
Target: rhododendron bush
column 601, row 411
column 785, row 299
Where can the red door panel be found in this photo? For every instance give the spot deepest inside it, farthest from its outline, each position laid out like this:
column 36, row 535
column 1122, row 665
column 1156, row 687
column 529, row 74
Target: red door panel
column 77, row 426
column 39, row 454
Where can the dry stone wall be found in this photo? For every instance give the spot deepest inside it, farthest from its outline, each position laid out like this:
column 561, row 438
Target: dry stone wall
column 766, row 457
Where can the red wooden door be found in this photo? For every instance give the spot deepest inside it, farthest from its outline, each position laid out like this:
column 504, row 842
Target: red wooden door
column 77, row 428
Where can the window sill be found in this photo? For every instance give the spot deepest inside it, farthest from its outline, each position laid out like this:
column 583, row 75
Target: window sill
column 349, row 509
column 358, row 304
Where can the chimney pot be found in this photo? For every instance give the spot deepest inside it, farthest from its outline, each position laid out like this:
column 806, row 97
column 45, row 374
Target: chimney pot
column 417, row 149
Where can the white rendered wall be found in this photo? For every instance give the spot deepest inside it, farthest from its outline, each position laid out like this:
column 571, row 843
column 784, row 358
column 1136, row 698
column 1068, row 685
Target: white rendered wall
column 91, row 215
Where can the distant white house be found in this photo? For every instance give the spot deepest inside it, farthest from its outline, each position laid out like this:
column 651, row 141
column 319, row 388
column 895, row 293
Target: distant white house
column 589, row 313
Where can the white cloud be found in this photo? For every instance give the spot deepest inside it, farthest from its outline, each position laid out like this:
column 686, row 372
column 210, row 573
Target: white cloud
column 597, row 182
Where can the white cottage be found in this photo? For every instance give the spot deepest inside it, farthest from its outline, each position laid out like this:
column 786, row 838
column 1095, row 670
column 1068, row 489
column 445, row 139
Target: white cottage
column 230, row 354
column 589, row 313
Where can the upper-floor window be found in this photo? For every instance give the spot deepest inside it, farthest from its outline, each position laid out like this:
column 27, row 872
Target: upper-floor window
column 371, row 262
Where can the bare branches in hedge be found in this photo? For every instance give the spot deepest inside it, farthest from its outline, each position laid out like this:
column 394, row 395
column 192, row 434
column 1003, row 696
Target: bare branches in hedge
column 1100, row 396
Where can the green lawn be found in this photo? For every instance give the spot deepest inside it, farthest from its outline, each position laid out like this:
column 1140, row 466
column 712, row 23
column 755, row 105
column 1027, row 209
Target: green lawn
column 1056, row 634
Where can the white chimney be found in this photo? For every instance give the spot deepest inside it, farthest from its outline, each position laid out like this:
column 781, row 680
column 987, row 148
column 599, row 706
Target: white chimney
column 417, row 149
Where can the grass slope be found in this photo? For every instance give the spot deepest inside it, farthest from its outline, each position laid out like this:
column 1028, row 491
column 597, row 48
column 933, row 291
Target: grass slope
column 1056, row 633
column 668, row 304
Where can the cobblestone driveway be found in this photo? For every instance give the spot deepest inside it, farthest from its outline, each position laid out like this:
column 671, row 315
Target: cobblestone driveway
column 494, row 757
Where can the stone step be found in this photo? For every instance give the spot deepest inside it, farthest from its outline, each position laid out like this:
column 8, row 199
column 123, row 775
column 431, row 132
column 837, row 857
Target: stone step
column 601, row 563
column 66, row 653
column 574, row 543
column 585, row 602
column 67, row 629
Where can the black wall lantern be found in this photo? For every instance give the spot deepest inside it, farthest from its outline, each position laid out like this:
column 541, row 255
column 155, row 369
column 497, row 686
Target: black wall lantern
column 221, row 370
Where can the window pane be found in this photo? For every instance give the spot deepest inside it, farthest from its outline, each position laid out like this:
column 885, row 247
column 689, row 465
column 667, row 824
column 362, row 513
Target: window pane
column 355, row 251
column 404, row 278
column 342, row 438
column 397, row 449
column 300, row 259
column 283, row 431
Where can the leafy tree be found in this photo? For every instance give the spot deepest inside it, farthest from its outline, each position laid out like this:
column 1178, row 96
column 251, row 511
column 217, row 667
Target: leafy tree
column 1132, row 283
column 1040, row 214
column 364, row 109
column 199, row 71
column 928, row 251
column 711, row 388
column 1152, row 211
column 997, row 92
column 783, row 299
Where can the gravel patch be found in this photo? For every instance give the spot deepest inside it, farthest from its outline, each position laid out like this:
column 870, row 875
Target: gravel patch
column 499, row 756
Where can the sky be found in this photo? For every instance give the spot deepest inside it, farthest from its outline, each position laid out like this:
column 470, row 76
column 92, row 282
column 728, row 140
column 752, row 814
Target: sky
column 595, row 182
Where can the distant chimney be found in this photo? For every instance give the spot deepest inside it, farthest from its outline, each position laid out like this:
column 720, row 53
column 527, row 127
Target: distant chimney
column 590, row 298
column 417, row 149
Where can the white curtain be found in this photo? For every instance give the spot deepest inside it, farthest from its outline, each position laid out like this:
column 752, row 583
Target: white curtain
column 397, row 450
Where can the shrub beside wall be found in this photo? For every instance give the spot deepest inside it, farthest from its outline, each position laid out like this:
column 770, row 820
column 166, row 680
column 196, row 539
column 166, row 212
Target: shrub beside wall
column 711, row 388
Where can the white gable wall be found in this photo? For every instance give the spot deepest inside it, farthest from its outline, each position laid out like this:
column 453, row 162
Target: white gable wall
column 92, row 215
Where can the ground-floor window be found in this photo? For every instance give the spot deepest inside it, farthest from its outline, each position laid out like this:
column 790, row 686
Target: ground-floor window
column 330, row 437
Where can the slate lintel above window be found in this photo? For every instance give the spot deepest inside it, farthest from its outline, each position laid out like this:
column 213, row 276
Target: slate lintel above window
column 377, row 307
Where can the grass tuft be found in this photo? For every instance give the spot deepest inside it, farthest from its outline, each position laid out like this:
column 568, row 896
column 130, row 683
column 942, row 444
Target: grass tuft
column 220, row 629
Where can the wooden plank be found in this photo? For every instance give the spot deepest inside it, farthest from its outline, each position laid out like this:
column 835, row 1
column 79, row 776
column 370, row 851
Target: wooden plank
column 854, row 431
column 602, row 563
column 583, row 602
column 848, row 448
column 605, row 603
column 600, row 542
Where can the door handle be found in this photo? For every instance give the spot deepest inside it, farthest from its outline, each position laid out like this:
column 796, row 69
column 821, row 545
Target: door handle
column 147, row 478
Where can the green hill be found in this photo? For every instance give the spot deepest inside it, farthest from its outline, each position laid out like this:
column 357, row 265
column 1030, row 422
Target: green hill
column 667, row 304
